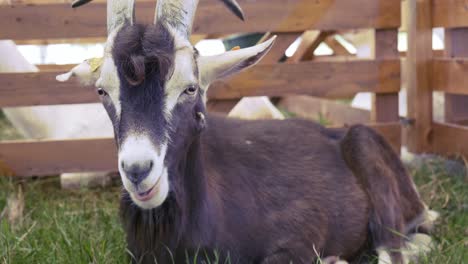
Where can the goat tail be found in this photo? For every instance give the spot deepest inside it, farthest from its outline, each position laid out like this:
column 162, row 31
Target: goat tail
column 393, row 197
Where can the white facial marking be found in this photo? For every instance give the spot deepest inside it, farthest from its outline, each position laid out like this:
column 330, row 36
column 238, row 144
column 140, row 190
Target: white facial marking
column 139, row 148
column 109, row 78
column 182, row 77
column 109, row 81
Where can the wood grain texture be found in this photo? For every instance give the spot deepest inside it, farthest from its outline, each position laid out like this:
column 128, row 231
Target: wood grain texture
column 337, row 114
column 42, row 158
column 41, row 88
column 323, row 79
column 59, row 20
column 320, row 79
column 282, row 43
column 450, row 139
column 450, row 75
column 335, row 45
column 456, row 105
column 450, row 13
column 31, row 158
column 419, row 58
column 385, row 106
column 310, row 40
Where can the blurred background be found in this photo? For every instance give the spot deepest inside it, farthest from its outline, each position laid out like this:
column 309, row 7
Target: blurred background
column 400, row 67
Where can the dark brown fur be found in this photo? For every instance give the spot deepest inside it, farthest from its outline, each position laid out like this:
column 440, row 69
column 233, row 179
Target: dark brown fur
column 272, row 191
column 143, row 50
column 254, row 191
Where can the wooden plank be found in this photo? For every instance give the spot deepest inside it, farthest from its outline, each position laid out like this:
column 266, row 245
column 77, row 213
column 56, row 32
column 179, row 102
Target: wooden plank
column 323, row 79
column 450, row 75
column 385, row 106
column 54, row 67
column 320, row 79
column 282, row 43
column 418, row 61
column 335, row 45
column 335, row 113
column 311, row 39
column 404, row 16
column 31, row 158
column 221, row 106
column 61, row 41
column 59, row 20
column 450, row 139
column 41, row 158
column 450, row 13
column 456, row 106
column 41, row 88
column 435, row 53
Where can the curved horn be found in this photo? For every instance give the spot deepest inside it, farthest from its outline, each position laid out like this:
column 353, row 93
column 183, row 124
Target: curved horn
column 119, row 12
column 234, row 7
column 179, row 14
column 231, row 4
column 78, row 3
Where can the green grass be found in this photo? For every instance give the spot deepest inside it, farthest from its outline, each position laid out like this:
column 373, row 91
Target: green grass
column 446, row 193
column 83, row 227
column 63, row 226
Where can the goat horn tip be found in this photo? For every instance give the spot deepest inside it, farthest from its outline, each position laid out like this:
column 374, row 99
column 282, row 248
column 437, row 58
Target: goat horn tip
column 79, row 3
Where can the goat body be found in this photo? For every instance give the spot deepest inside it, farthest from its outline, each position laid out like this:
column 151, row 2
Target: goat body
column 275, row 192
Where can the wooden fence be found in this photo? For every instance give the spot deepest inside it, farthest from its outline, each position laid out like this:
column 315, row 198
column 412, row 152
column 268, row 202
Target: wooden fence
column 51, row 19
column 427, row 72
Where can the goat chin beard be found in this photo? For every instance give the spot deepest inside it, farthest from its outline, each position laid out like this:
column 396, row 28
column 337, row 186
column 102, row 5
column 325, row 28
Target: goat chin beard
column 157, row 193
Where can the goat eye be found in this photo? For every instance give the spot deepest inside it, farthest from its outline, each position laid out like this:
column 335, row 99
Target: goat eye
column 101, row 91
column 191, row 90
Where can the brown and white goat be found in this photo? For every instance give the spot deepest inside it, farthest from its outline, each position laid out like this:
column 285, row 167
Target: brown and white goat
column 203, row 188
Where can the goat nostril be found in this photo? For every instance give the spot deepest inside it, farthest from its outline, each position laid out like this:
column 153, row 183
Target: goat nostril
column 138, row 171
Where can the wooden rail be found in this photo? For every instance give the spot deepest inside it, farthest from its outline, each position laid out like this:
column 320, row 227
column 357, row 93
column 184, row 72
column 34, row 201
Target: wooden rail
column 450, row 75
column 39, row 158
column 56, row 19
column 31, row 158
column 449, row 139
column 447, row 73
column 449, row 13
column 321, row 79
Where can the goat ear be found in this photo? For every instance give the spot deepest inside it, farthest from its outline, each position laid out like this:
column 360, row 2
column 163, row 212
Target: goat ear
column 86, row 72
column 220, row 66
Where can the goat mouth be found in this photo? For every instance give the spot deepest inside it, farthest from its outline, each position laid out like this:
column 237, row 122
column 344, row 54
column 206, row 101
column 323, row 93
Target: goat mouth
column 147, row 195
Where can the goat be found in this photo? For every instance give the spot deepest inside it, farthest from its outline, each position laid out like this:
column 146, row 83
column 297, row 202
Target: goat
column 201, row 187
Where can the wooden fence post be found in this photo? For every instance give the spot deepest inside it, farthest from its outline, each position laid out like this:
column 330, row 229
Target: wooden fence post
column 419, row 58
column 385, row 106
column 456, row 106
